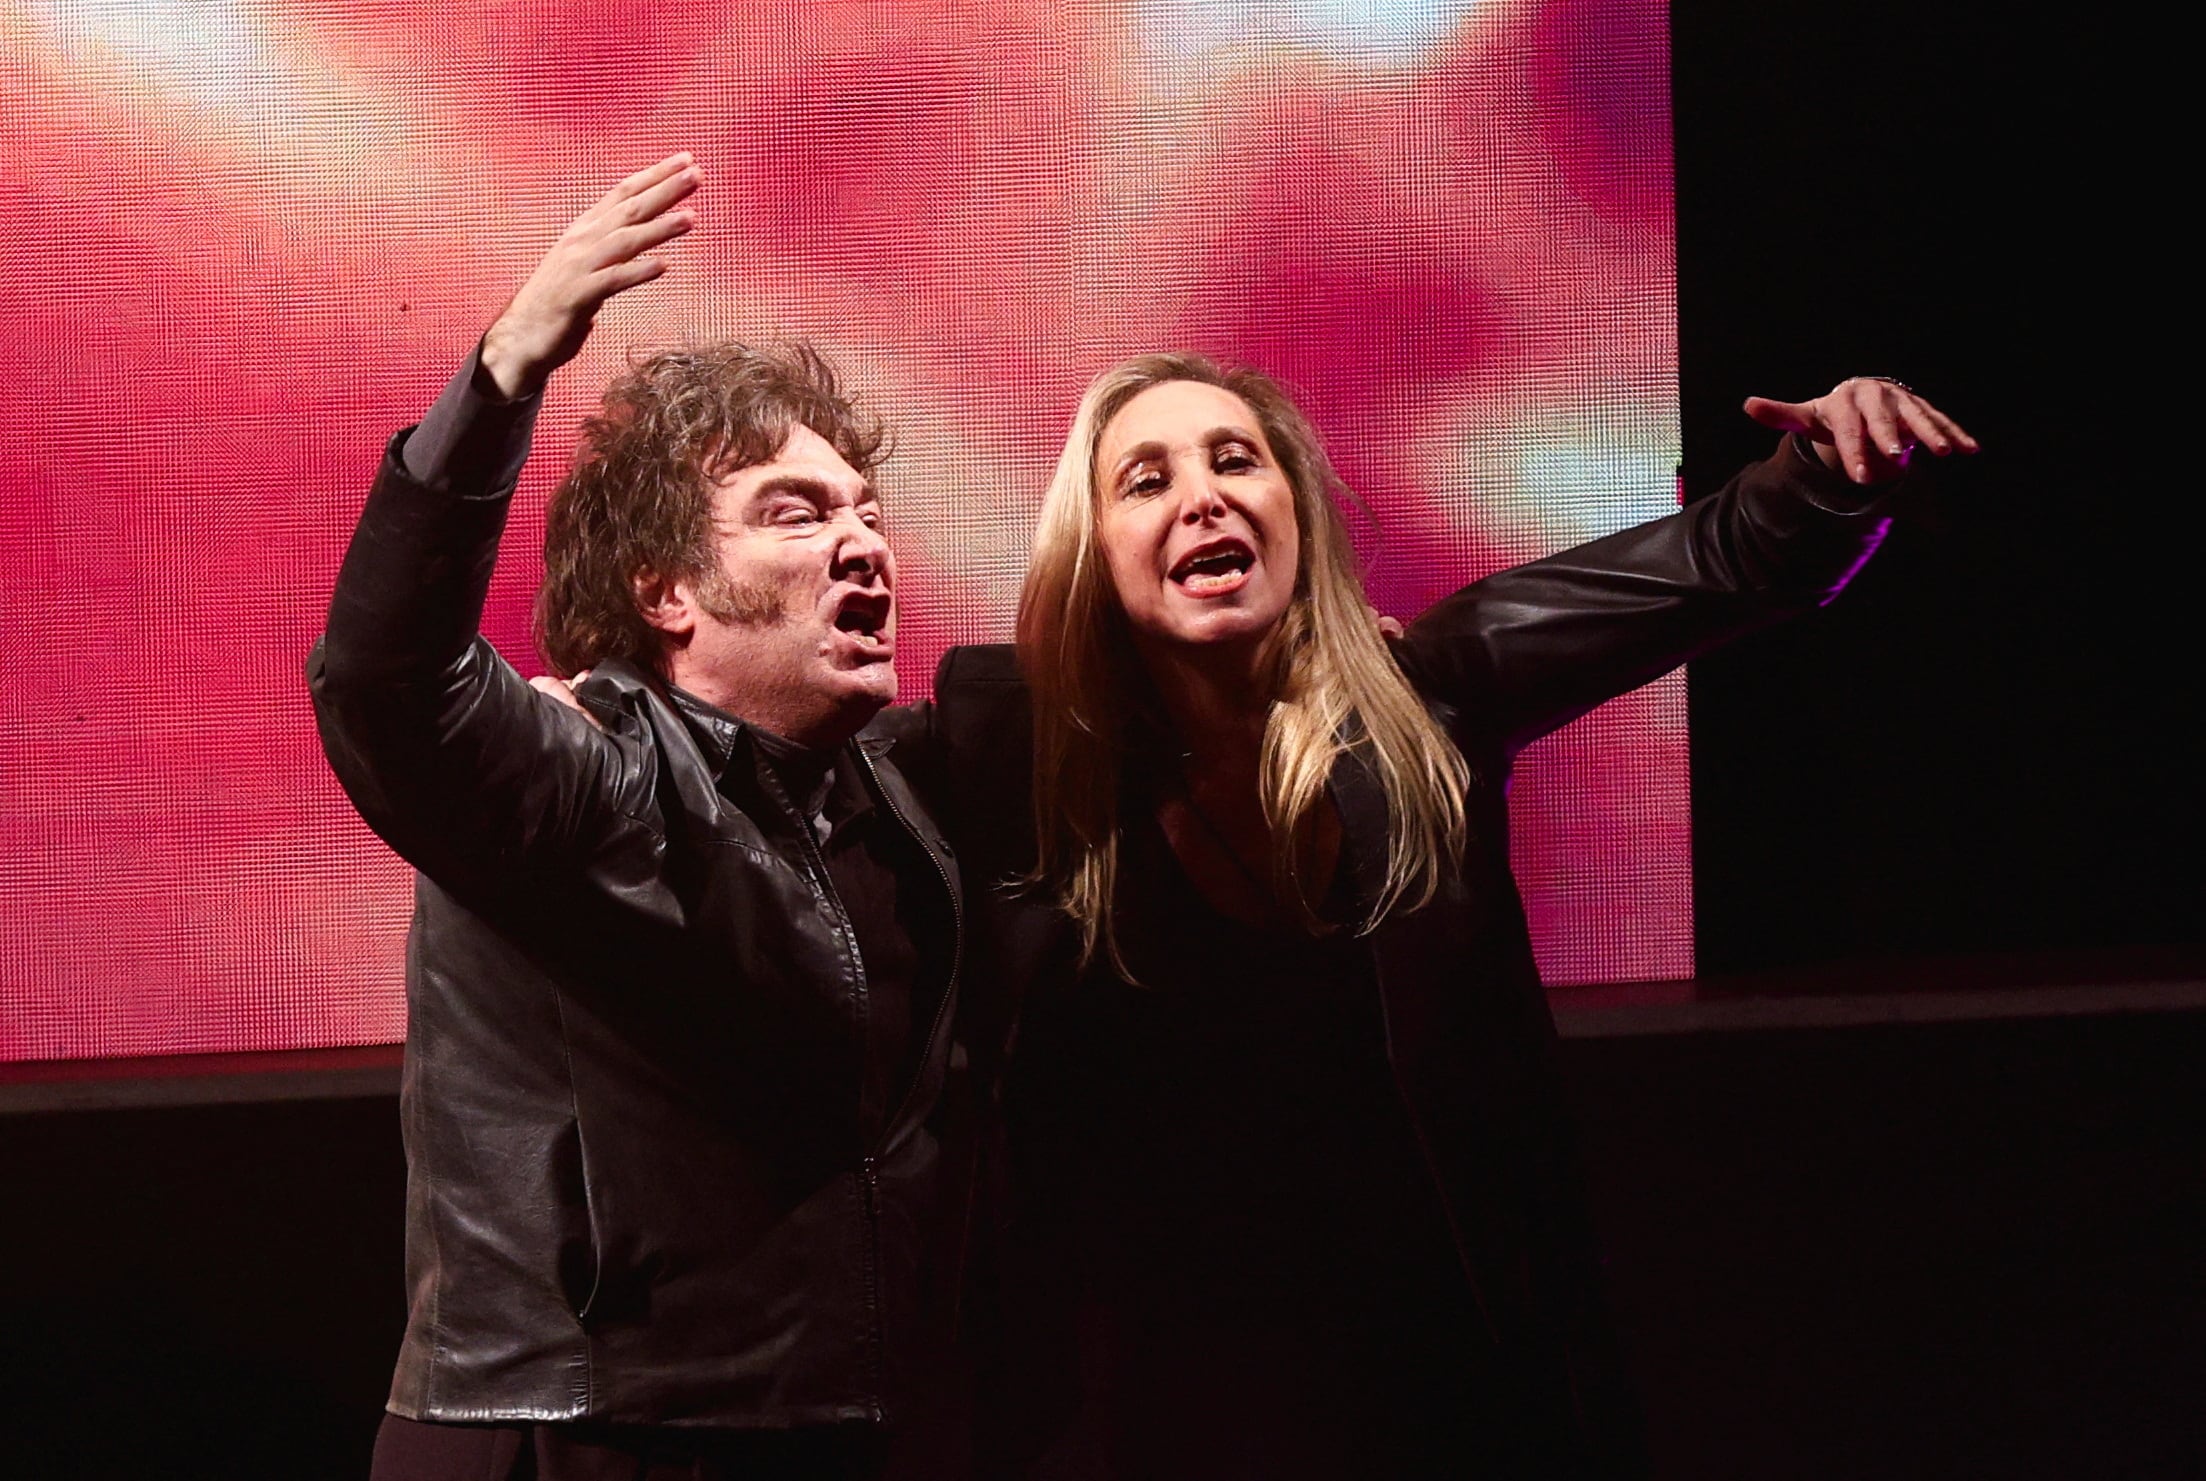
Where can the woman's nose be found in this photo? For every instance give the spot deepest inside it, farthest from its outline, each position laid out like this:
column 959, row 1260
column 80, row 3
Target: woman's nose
column 1204, row 499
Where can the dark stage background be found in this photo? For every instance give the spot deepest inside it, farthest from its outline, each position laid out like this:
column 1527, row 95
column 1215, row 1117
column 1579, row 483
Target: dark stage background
column 1966, row 1249
column 1989, row 746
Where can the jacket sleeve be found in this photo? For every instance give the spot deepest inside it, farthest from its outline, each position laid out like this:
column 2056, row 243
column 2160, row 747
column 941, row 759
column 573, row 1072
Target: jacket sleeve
column 1528, row 649
column 449, row 755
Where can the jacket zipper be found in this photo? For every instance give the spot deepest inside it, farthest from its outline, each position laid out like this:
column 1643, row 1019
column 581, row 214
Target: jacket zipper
column 934, row 1029
column 816, row 863
column 869, row 1179
column 869, row 1166
column 868, row 1173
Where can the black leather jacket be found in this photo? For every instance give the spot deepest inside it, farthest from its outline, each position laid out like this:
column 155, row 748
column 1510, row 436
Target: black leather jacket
column 1470, row 1037
column 644, row 1184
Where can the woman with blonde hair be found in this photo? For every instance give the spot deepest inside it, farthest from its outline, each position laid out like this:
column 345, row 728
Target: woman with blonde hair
column 1292, row 1192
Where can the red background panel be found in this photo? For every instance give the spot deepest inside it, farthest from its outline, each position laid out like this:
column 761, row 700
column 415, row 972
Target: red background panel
column 249, row 240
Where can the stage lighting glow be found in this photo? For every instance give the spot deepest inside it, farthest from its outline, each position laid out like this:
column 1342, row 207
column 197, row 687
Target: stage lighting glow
column 1393, row 30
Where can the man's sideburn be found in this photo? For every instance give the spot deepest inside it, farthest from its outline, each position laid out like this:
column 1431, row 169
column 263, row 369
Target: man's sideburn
column 752, row 603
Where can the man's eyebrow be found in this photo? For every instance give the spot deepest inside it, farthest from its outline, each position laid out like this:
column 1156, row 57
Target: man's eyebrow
column 816, row 487
column 803, row 484
column 812, row 488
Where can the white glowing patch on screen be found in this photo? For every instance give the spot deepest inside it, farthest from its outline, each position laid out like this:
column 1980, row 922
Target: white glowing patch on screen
column 216, row 54
column 1392, row 31
column 1583, row 490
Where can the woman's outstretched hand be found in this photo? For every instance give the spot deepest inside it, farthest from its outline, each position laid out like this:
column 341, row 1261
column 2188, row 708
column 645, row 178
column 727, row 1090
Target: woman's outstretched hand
column 1867, row 427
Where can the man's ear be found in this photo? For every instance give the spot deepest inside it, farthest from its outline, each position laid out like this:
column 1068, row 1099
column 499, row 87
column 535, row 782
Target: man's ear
column 665, row 603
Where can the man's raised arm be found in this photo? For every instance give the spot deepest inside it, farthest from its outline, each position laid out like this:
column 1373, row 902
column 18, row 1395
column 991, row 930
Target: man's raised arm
column 447, row 753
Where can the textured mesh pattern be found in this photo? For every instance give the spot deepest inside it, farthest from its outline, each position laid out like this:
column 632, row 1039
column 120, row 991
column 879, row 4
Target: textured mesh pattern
column 249, row 238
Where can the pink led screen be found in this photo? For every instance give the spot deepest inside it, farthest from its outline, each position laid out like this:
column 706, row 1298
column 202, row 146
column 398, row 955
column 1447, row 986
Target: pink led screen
column 247, row 239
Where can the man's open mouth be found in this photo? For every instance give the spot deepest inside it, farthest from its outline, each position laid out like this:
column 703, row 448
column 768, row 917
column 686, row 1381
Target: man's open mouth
column 864, row 616
column 1214, row 568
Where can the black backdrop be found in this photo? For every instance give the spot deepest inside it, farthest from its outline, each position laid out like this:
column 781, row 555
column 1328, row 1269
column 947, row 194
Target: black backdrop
column 1986, row 746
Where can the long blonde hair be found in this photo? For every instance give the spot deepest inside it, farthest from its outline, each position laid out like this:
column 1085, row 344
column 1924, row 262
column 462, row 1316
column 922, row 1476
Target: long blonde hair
column 1335, row 686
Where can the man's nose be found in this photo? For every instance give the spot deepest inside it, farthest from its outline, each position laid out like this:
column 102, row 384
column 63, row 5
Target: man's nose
column 862, row 550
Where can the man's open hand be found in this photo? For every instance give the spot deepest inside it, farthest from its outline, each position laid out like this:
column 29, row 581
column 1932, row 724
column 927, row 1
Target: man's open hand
column 606, row 251
column 1867, row 427
column 563, row 690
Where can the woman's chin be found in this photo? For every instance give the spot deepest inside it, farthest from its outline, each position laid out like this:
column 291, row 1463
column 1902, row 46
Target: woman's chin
column 1222, row 630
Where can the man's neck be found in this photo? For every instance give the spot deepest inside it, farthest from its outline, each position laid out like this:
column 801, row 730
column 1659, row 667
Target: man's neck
column 781, row 749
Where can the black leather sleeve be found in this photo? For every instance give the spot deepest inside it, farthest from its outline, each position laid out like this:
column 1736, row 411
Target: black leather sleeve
column 448, row 753
column 1526, row 650
column 472, row 438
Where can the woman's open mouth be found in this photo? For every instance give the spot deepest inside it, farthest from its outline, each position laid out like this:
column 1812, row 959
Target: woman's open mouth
column 1214, row 568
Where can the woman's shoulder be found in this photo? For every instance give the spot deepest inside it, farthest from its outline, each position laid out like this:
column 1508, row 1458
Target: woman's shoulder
column 978, row 666
column 981, row 705
column 982, row 747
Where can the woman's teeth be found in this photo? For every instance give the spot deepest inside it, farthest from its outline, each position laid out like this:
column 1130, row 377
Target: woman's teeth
column 1200, row 582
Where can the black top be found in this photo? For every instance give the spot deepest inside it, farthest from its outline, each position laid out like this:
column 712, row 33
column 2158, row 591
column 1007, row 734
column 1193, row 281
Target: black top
column 1266, row 1279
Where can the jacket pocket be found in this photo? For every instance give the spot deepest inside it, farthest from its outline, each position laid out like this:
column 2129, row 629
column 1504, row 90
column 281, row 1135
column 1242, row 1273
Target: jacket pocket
column 581, row 1269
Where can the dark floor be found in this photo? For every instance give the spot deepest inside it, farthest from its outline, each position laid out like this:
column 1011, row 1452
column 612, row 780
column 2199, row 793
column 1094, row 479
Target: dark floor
column 1942, row 1251
column 1957, row 1250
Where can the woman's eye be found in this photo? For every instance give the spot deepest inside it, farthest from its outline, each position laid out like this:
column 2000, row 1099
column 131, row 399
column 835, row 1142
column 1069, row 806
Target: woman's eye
column 1141, row 485
column 1234, row 460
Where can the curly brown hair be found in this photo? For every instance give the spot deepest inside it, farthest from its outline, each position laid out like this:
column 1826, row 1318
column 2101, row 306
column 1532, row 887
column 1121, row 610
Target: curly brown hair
column 638, row 496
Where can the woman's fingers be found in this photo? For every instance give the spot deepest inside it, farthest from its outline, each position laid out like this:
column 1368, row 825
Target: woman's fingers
column 1937, row 431
column 1848, row 433
column 1881, row 426
column 563, row 690
column 1785, row 416
column 1871, row 425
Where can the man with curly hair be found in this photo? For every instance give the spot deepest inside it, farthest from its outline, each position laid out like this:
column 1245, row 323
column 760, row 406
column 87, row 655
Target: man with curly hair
column 681, row 1120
